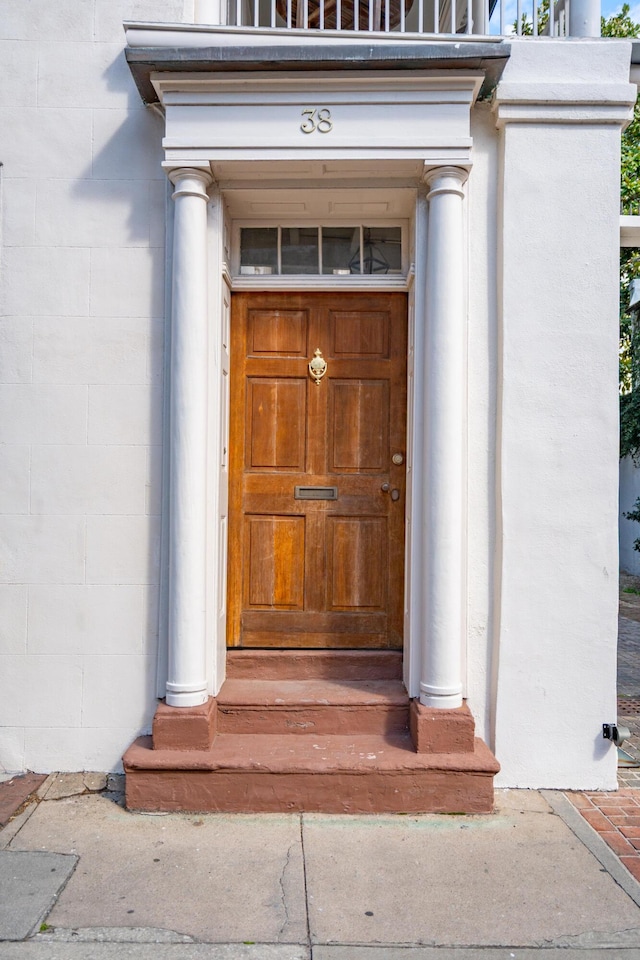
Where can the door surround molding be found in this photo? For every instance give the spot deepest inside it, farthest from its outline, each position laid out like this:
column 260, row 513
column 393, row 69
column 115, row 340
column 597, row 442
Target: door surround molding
column 438, row 171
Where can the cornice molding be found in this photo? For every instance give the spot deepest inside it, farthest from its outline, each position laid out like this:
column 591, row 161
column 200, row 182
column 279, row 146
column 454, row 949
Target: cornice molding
column 151, row 50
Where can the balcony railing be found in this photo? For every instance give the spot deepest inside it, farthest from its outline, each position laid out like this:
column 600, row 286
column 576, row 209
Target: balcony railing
column 441, row 18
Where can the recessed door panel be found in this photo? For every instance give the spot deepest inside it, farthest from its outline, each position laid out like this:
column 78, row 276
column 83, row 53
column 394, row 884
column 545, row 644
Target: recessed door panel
column 277, row 333
column 357, row 551
column 358, row 434
column 360, row 333
column 309, row 568
column 274, row 557
column 276, row 423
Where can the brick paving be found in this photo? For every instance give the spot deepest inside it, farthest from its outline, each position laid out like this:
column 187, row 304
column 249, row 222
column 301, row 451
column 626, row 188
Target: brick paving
column 15, row 792
column 616, row 816
column 629, row 675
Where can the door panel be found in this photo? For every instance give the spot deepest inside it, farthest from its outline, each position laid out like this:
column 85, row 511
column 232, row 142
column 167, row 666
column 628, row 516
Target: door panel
column 357, row 583
column 360, row 335
column 358, row 435
column 317, row 572
column 284, row 334
column 276, row 424
column 269, row 584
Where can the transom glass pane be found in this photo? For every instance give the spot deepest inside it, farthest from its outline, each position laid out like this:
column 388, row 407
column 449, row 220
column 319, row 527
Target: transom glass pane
column 300, row 250
column 382, row 250
column 341, row 250
column 259, row 250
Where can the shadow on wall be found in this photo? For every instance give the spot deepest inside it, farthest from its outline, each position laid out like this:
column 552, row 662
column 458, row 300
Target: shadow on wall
column 122, row 199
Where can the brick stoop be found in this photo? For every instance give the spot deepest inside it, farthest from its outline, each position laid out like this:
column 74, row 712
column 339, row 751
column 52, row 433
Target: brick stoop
column 316, row 731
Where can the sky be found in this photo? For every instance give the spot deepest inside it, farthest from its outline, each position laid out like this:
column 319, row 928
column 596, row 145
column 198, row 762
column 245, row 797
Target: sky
column 608, row 7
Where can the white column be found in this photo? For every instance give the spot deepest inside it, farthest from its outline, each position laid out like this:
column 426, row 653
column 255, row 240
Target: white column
column 444, row 444
column 584, row 18
column 187, row 684
column 479, row 15
column 210, row 11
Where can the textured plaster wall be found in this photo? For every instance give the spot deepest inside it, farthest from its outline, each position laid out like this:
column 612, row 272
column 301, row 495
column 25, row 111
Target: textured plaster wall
column 81, row 343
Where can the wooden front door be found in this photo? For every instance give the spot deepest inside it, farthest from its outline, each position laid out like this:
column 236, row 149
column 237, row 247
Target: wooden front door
column 326, row 571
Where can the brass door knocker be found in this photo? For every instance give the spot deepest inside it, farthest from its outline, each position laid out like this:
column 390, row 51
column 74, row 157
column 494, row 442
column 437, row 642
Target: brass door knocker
column 318, row 366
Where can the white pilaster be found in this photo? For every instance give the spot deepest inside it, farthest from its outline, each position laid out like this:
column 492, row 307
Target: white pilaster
column 557, row 447
column 444, row 446
column 187, row 683
column 412, row 658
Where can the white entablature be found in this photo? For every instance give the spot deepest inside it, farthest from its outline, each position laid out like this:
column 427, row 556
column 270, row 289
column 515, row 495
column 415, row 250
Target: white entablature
column 338, row 116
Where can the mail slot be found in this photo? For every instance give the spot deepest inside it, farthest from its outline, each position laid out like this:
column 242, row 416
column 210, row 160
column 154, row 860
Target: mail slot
column 315, row 493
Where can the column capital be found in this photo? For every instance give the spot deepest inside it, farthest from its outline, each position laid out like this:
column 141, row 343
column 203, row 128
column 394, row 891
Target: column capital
column 190, row 181
column 445, row 180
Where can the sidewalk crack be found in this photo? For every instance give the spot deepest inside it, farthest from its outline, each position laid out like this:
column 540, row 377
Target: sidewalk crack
column 283, row 893
column 305, row 884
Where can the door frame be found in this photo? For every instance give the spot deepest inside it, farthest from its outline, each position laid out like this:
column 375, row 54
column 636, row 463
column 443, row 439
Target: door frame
column 220, row 287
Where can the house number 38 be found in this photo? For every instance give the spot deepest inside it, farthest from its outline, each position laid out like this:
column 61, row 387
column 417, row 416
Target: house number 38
column 319, row 120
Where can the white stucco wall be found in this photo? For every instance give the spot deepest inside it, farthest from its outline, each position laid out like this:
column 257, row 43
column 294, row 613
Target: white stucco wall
column 629, row 531
column 557, row 417
column 81, row 344
column 82, row 327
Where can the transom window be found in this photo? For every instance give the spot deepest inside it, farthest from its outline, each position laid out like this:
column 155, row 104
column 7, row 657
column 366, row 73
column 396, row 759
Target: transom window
column 310, row 250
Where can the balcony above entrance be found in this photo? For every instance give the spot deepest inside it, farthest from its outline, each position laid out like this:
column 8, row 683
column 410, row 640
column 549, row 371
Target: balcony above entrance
column 403, row 19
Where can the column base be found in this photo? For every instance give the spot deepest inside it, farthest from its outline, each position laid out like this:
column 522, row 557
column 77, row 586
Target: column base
column 185, row 728
column 441, row 731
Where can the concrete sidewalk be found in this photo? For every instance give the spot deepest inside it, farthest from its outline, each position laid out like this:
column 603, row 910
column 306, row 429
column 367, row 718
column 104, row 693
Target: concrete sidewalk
column 531, row 880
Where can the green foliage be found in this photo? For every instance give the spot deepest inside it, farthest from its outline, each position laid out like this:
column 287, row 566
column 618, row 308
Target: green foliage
column 621, row 25
column 634, row 515
column 630, row 164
